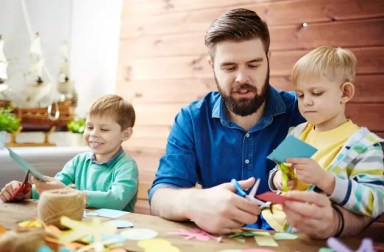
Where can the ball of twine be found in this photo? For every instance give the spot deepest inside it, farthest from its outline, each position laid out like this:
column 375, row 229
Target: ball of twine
column 61, row 202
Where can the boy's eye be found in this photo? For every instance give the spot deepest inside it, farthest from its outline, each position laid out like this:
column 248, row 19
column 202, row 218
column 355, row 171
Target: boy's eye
column 104, row 129
column 317, row 93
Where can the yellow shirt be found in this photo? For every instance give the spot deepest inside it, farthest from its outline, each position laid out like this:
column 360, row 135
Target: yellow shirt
column 328, row 145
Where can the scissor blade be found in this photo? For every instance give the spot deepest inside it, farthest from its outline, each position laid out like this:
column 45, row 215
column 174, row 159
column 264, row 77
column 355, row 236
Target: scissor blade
column 253, row 191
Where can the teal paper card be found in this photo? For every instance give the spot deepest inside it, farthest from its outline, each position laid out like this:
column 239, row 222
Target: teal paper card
column 25, row 166
column 291, row 147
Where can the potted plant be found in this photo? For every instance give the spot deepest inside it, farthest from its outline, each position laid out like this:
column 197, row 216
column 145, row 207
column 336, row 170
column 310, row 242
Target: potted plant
column 8, row 123
column 77, row 126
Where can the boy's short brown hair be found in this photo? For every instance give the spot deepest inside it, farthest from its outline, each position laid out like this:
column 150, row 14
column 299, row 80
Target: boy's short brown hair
column 336, row 64
column 114, row 105
column 237, row 25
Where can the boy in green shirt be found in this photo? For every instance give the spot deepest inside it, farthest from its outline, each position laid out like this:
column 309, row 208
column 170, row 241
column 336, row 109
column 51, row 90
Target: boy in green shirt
column 107, row 175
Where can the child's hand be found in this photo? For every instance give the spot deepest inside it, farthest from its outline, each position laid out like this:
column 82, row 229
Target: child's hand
column 310, row 172
column 277, row 182
column 51, row 184
column 7, row 191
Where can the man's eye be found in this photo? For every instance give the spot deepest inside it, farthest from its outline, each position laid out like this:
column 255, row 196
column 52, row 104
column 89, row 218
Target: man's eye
column 253, row 66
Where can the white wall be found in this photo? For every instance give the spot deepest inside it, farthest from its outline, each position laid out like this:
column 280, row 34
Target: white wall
column 91, row 28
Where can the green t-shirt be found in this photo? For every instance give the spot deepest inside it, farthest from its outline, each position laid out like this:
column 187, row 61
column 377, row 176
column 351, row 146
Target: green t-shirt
column 112, row 184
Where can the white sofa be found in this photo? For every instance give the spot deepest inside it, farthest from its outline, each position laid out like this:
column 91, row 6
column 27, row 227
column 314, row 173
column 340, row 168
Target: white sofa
column 48, row 160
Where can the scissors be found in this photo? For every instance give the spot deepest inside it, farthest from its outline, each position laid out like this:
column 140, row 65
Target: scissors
column 24, row 188
column 252, row 193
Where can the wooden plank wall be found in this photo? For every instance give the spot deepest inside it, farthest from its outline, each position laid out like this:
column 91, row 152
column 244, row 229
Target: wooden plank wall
column 163, row 61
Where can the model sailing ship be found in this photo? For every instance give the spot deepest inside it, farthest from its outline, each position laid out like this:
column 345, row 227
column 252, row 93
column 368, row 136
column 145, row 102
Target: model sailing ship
column 34, row 105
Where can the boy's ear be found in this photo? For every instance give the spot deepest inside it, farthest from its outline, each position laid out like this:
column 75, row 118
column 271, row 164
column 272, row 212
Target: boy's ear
column 348, row 91
column 127, row 133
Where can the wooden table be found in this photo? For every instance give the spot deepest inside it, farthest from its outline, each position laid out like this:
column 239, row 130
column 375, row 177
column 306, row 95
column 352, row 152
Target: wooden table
column 12, row 213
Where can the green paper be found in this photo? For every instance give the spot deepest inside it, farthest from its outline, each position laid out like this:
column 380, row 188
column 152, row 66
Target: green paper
column 25, row 166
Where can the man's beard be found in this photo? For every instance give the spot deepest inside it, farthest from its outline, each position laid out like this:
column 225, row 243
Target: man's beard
column 243, row 106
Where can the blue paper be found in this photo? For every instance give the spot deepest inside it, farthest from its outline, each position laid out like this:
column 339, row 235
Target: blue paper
column 109, row 213
column 25, row 166
column 291, row 147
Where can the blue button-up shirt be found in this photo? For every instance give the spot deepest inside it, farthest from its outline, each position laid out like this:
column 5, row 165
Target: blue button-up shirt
column 205, row 147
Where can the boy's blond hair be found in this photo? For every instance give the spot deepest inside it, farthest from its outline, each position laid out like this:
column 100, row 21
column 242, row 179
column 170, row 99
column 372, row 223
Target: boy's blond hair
column 336, row 64
column 114, row 105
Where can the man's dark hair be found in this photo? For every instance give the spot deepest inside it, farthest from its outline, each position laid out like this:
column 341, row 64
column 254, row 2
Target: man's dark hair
column 237, row 25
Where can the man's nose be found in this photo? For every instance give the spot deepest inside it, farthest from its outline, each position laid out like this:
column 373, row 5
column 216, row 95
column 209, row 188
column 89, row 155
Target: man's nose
column 242, row 76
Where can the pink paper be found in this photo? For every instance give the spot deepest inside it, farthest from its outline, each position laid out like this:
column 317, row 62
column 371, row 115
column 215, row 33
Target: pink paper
column 197, row 234
column 273, row 197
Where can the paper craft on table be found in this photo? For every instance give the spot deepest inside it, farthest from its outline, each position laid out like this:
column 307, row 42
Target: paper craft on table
column 108, row 213
column 273, row 198
column 291, row 147
column 25, row 166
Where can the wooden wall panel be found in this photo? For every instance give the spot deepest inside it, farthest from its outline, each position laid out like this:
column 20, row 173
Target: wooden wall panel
column 141, row 16
column 371, row 60
column 355, row 33
column 163, row 61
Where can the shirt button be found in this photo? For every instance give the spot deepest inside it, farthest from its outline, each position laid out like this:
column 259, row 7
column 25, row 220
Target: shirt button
column 246, row 161
column 247, row 135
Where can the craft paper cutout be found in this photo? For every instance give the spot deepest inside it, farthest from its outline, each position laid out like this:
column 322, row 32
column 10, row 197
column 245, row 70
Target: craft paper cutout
column 80, row 229
column 121, row 223
column 33, row 223
column 266, row 241
column 257, row 250
column 47, row 249
column 108, row 213
column 291, row 147
column 284, row 236
column 2, row 229
column 273, row 198
column 25, row 166
column 365, row 246
column 139, row 234
column 196, row 233
column 157, row 245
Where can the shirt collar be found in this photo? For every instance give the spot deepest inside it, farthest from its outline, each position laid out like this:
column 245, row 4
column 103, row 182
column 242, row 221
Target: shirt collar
column 92, row 157
column 275, row 106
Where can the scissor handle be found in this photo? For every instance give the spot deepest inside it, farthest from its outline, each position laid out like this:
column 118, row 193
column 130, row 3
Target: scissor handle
column 239, row 190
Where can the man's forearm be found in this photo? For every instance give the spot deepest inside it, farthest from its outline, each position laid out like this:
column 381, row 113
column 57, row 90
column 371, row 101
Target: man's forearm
column 353, row 223
column 171, row 203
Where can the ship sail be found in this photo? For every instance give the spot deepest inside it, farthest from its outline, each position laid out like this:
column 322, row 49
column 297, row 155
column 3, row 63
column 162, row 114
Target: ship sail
column 36, row 94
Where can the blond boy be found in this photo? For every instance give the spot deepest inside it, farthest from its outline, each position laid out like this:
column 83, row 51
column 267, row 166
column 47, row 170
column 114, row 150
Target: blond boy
column 348, row 166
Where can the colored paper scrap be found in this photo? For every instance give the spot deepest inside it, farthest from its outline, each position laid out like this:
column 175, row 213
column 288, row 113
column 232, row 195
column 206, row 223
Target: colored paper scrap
column 157, row 245
column 25, row 166
column 266, row 241
column 95, row 228
column 122, row 223
column 274, row 198
column 196, row 233
column 284, row 236
column 291, row 147
column 139, row 234
column 108, row 213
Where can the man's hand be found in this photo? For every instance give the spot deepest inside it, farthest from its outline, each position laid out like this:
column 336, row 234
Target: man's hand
column 310, row 172
column 312, row 214
column 7, row 191
column 219, row 209
column 216, row 210
column 50, row 184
